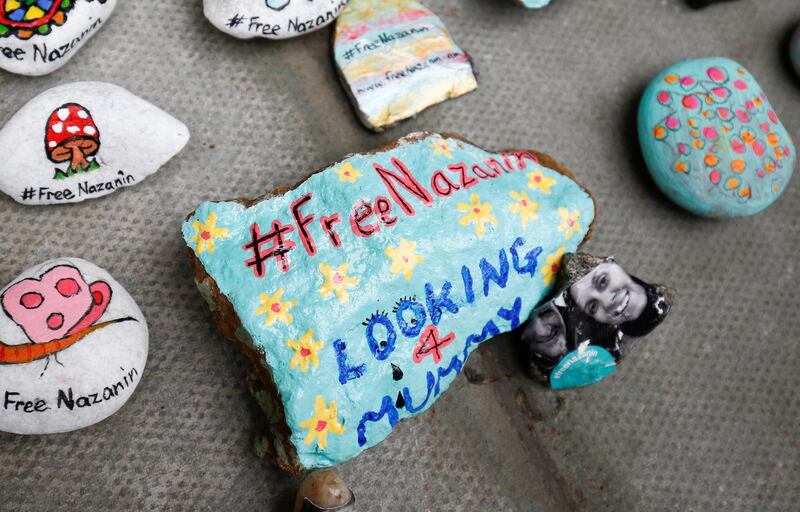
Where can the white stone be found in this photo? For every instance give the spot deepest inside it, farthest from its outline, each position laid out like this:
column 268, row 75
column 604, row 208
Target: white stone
column 98, row 138
column 102, row 337
column 39, row 39
column 273, row 19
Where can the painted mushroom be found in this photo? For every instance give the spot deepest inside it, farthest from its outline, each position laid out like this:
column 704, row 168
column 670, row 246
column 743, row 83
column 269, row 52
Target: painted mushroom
column 72, row 136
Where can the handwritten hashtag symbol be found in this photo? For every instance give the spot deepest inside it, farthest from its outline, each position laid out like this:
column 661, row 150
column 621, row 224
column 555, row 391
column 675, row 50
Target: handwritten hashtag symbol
column 278, row 249
column 28, row 193
column 236, row 20
column 348, row 54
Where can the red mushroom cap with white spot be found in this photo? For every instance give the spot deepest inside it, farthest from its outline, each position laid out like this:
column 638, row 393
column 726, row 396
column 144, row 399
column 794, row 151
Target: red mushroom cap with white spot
column 71, row 125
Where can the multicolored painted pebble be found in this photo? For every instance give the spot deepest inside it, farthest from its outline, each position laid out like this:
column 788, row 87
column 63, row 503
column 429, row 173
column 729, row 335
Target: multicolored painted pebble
column 73, row 345
column 271, row 19
column 396, row 58
column 359, row 294
column 98, row 138
column 534, row 4
column 712, row 141
column 39, row 36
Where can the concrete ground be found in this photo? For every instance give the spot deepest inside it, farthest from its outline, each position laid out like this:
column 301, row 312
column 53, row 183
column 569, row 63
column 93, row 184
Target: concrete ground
column 704, row 416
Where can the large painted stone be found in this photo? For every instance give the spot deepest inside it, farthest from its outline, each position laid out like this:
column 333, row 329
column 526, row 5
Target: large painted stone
column 712, row 141
column 359, row 294
column 82, row 141
column 73, row 346
column 272, row 19
column 396, row 58
column 598, row 316
column 39, row 36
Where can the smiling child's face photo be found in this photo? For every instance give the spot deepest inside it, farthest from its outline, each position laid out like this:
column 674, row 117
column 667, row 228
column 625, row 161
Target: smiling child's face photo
column 549, row 336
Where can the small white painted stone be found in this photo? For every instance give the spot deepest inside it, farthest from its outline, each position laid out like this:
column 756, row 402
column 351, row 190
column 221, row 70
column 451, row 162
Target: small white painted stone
column 39, row 38
column 272, row 19
column 82, row 141
column 73, row 347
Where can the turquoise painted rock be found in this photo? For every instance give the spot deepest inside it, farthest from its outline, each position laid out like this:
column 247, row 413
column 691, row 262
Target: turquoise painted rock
column 712, row 141
column 794, row 51
column 396, row 58
column 534, row 4
column 359, row 294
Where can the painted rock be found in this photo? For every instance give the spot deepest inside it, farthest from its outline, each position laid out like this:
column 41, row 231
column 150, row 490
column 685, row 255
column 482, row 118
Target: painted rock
column 712, row 141
column 534, row 4
column 795, row 50
column 273, row 19
column 98, row 138
column 73, row 345
column 359, row 294
column 324, row 491
column 599, row 314
column 396, row 58
column 39, row 36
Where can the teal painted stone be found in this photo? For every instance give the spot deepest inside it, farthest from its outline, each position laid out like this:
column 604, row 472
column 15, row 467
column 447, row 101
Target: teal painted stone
column 712, row 141
column 534, row 4
column 794, row 51
column 360, row 293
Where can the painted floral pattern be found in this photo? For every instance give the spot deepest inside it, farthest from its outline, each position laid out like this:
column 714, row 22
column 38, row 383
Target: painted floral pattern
column 306, row 351
column 553, row 266
column 524, row 207
column 205, row 234
column 478, row 213
column 720, row 125
column 324, row 420
column 275, row 309
column 337, row 282
column 404, row 258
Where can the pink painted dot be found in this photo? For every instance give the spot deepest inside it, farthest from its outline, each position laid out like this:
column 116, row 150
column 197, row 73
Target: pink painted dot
column 716, row 74
column 737, row 146
column 763, row 96
column 740, row 84
column 68, row 287
column 683, row 148
column 710, row 133
column 742, row 116
column 570, row 223
column 764, row 126
column 405, row 259
column 772, row 116
column 750, row 105
column 724, row 113
column 338, row 278
column 276, row 307
column 761, row 173
column 690, row 102
column 687, row 81
column 205, row 235
column 787, row 151
column 31, row 300
column 720, row 92
column 758, row 148
column 321, row 425
column 476, row 210
column 672, row 123
column 524, row 202
column 714, row 176
column 664, row 98
column 305, row 352
column 55, row 321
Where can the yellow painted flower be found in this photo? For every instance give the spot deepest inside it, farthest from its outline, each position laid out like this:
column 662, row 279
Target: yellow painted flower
column 306, row 351
column 336, row 281
column 524, row 207
column 347, row 172
column 275, row 309
column 538, row 181
column 569, row 222
column 441, row 147
column 205, row 233
column 477, row 212
column 550, row 271
column 323, row 421
column 404, row 258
